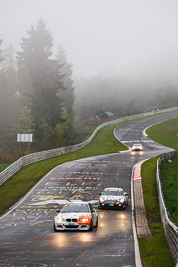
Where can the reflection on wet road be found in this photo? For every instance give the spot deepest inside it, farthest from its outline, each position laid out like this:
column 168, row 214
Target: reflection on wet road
column 28, row 236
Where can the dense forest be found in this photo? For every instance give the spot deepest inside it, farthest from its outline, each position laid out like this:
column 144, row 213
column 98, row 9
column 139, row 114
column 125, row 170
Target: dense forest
column 38, row 96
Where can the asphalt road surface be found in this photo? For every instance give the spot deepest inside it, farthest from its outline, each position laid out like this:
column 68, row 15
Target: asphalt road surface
column 27, row 238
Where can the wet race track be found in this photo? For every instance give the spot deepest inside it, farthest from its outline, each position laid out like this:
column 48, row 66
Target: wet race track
column 27, row 237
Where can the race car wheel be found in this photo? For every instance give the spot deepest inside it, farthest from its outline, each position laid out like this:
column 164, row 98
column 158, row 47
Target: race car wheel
column 97, row 222
column 54, row 227
column 91, row 226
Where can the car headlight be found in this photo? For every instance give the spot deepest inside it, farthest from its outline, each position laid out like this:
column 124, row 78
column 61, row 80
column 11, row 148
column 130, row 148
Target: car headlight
column 84, row 220
column 101, row 199
column 122, row 200
column 59, row 220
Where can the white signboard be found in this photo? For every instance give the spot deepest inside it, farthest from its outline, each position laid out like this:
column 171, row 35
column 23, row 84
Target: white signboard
column 24, row 137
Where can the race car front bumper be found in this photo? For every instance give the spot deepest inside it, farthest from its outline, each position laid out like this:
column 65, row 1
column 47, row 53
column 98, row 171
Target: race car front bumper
column 112, row 205
column 61, row 226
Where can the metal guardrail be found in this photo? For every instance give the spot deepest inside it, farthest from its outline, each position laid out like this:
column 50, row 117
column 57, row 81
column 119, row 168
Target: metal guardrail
column 170, row 229
column 35, row 157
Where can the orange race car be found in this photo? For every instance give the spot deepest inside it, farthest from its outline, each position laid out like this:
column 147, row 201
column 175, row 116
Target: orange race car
column 76, row 216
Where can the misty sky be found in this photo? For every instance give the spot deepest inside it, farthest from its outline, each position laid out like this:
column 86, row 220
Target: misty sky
column 102, row 37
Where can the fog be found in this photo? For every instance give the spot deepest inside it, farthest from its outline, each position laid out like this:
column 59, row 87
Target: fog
column 123, row 38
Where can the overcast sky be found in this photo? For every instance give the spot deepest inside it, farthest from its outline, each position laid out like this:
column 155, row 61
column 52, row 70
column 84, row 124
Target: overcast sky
column 102, row 37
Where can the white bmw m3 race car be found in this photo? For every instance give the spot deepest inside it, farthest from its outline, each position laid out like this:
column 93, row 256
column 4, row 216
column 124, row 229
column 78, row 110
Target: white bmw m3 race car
column 76, row 216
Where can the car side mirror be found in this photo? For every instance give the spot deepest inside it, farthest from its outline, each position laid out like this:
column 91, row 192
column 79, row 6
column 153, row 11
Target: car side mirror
column 125, row 193
column 99, row 194
column 57, row 211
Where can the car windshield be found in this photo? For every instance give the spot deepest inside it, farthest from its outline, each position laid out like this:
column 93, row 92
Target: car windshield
column 113, row 193
column 75, row 207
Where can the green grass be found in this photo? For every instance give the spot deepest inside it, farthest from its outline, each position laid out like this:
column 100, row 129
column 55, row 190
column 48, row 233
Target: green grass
column 20, row 183
column 148, row 173
column 165, row 133
column 3, row 166
column 155, row 251
column 169, row 177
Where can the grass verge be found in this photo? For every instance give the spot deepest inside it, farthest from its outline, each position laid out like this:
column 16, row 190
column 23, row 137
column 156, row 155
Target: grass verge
column 169, row 178
column 155, row 251
column 166, row 134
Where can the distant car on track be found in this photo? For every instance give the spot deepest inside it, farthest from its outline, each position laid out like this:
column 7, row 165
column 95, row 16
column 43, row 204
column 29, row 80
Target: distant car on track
column 113, row 198
column 137, row 147
column 76, row 216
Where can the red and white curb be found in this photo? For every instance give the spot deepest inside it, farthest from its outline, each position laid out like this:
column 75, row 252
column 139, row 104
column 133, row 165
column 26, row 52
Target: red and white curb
column 136, row 176
column 137, row 171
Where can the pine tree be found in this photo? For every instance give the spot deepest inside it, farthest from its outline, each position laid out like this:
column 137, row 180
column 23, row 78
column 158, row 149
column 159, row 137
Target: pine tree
column 9, row 60
column 7, row 105
column 7, row 95
column 2, row 57
column 67, row 96
column 24, row 101
column 44, row 72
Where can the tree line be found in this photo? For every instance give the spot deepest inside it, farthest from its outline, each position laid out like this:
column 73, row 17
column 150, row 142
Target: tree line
column 36, row 92
column 122, row 96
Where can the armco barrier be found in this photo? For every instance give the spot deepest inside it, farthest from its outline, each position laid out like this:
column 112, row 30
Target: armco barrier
column 170, row 229
column 35, row 157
